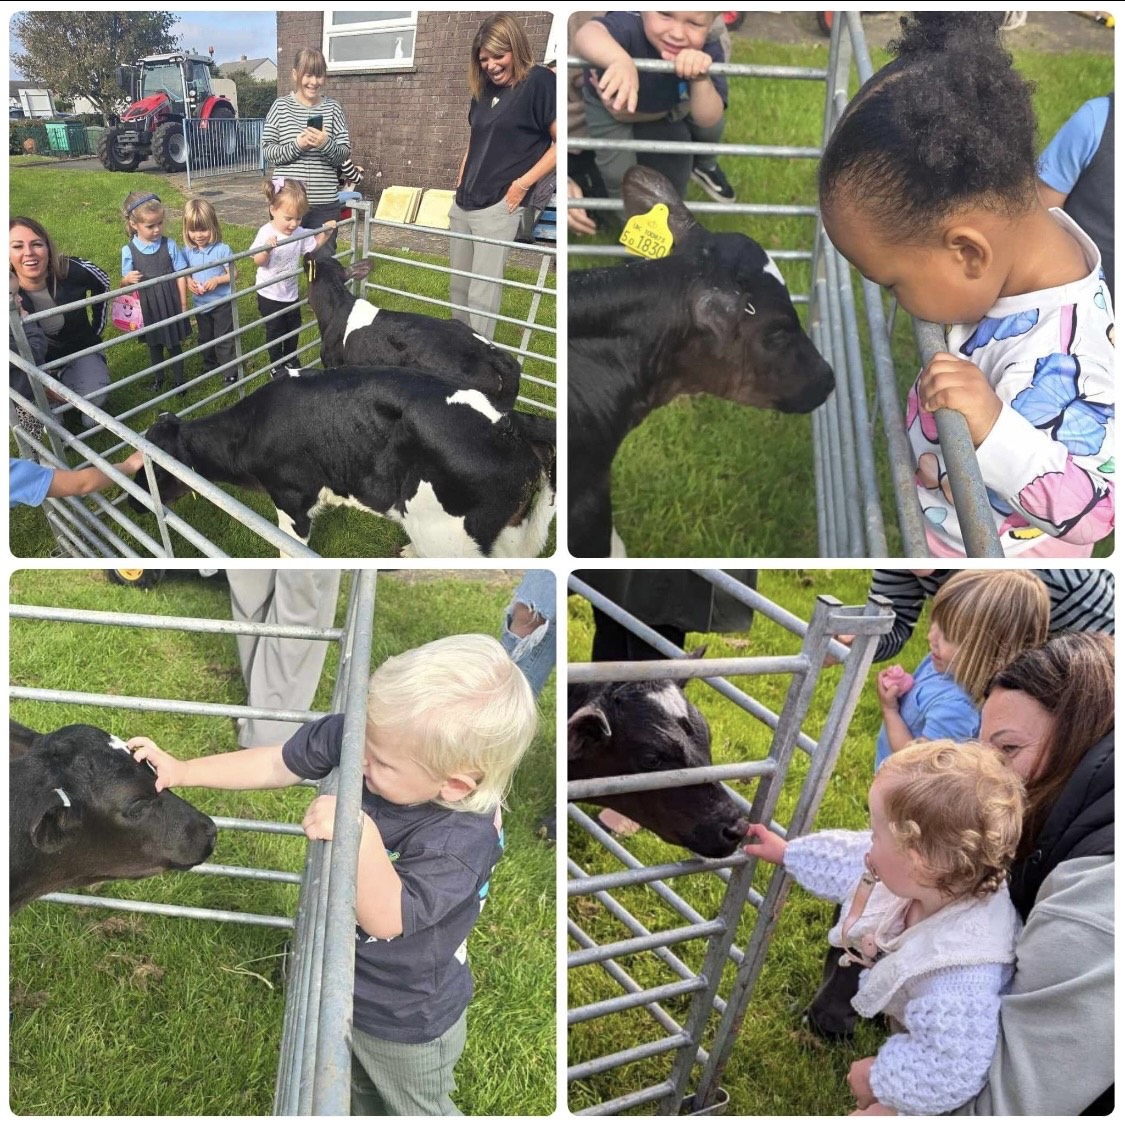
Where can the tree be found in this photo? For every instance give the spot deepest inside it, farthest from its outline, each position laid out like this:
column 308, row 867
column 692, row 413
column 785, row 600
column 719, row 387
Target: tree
column 254, row 97
column 74, row 53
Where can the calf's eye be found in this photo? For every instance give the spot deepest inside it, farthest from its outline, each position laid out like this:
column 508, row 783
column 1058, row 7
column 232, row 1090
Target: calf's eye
column 136, row 810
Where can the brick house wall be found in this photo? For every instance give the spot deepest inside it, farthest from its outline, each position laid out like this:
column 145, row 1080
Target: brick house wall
column 409, row 127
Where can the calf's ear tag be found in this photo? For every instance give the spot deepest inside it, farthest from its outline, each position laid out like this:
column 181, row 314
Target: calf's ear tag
column 648, row 235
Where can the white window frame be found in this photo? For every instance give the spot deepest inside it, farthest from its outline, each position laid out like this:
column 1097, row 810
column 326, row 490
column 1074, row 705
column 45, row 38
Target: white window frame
column 330, row 33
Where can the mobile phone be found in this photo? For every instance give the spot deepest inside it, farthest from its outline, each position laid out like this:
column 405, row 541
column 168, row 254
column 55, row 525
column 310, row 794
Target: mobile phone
column 316, row 121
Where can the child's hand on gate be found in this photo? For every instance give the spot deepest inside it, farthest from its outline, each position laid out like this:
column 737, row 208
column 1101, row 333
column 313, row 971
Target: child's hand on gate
column 952, row 383
column 619, row 86
column 765, row 844
column 169, row 770
column 859, row 1081
column 320, row 817
column 891, row 684
column 691, row 64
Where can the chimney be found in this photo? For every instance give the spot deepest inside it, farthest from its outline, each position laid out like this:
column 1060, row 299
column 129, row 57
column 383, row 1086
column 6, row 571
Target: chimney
column 241, row 58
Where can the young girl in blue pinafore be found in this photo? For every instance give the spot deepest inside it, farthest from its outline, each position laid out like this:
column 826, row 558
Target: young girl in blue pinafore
column 981, row 620
column 148, row 254
column 281, row 263
column 928, row 187
column 211, row 285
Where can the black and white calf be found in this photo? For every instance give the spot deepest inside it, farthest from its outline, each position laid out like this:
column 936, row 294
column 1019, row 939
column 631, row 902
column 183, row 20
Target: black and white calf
column 81, row 810
column 714, row 317
column 462, row 478
column 623, row 728
column 355, row 333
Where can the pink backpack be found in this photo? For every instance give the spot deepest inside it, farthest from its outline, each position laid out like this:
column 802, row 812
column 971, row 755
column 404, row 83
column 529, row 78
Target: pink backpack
column 125, row 312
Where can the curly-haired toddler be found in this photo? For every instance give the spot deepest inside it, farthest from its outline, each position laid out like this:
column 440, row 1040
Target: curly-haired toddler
column 926, row 911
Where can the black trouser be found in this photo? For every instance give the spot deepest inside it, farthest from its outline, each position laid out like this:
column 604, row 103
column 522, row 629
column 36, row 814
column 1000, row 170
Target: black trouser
column 212, row 321
column 614, row 643
column 830, row 1012
column 316, row 217
column 156, row 355
column 275, row 329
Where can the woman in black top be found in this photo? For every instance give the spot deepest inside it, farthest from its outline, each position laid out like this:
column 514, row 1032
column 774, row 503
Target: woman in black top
column 511, row 147
column 46, row 281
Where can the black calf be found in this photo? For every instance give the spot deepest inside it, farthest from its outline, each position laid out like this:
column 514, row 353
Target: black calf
column 713, row 318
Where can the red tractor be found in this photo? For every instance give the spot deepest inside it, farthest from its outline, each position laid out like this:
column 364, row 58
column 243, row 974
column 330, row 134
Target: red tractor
column 164, row 91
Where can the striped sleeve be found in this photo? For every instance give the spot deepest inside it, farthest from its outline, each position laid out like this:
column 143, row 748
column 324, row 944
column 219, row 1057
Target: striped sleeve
column 317, row 170
column 1081, row 599
column 94, row 282
column 907, row 593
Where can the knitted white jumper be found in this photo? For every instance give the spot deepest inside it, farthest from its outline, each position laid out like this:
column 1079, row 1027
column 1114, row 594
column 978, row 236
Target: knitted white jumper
column 940, row 979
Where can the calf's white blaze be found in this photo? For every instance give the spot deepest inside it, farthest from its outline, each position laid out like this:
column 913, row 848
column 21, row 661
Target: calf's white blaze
column 360, row 316
column 671, row 701
column 474, row 399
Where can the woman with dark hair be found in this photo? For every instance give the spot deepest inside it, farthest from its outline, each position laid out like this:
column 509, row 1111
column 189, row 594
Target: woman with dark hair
column 511, row 147
column 1050, row 712
column 48, row 280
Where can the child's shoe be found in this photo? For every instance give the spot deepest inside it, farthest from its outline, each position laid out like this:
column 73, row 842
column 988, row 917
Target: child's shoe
column 714, row 182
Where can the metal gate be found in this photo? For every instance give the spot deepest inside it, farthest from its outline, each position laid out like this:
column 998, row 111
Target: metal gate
column 700, row 1046
column 223, row 146
column 850, row 519
column 93, row 526
column 314, row 1067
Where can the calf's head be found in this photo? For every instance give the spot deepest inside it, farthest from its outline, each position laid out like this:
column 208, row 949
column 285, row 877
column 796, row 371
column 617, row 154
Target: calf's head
column 745, row 341
column 624, row 728
column 322, row 265
column 165, row 434
column 82, row 810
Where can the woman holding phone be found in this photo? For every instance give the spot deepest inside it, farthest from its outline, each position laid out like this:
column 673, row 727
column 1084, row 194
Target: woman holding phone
column 305, row 137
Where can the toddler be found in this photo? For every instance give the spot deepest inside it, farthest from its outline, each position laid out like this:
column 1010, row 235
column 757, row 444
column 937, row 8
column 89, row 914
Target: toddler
column 624, row 104
column 279, row 264
column 926, row 912
column 447, row 724
column 211, row 285
column 928, row 186
column 148, row 254
column 981, row 620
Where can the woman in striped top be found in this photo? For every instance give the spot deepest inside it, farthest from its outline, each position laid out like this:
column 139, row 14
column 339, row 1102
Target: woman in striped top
column 305, row 138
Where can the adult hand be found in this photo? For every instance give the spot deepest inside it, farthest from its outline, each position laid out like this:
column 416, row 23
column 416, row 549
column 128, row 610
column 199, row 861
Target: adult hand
column 576, row 218
column 318, row 137
column 765, row 844
column 859, row 1081
column 619, row 86
column 692, row 64
column 169, row 771
column 320, row 817
column 952, row 383
column 515, row 195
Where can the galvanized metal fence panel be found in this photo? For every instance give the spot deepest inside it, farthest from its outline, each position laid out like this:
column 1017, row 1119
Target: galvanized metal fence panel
column 849, row 513
column 685, row 1042
column 223, row 146
column 314, row 1067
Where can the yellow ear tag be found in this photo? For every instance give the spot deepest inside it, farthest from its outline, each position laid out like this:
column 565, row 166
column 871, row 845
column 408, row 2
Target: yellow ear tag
column 648, row 235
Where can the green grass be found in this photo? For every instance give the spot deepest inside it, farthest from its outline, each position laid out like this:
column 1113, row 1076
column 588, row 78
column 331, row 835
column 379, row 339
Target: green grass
column 776, row 1067
column 118, row 1014
column 707, row 478
column 81, row 209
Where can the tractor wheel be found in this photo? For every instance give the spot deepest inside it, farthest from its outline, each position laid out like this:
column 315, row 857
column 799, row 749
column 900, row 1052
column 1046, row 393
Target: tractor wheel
column 824, row 22
column 169, row 149
column 115, row 156
column 227, row 146
column 135, row 578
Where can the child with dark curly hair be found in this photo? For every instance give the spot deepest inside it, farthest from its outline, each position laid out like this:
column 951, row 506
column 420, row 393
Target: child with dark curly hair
column 928, row 187
column 926, row 912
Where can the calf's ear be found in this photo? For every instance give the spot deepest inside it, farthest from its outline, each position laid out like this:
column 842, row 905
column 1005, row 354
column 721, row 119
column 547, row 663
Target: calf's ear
column 642, row 188
column 358, row 269
column 54, row 821
column 20, row 739
column 587, row 726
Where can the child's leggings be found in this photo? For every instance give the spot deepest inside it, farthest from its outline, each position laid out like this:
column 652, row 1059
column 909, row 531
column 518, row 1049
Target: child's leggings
column 390, row 1078
column 275, row 329
column 156, row 355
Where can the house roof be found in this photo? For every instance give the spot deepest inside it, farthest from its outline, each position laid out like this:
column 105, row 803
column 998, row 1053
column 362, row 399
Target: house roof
column 237, row 66
column 15, row 87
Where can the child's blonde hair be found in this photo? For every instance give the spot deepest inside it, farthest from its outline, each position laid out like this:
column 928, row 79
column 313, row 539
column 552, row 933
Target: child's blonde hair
column 959, row 807
column 279, row 190
column 199, row 214
column 992, row 615
column 137, row 205
column 459, row 704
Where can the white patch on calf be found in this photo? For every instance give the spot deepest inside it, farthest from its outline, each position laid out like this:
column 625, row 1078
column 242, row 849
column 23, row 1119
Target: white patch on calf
column 485, row 341
column 434, row 533
column 772, row 269
column 360, row 316
column 474, row 399
column 63, row 796
column 616, row 546
column 117, row 743
column 288, row 526
column 671, row 700
column 293, row 372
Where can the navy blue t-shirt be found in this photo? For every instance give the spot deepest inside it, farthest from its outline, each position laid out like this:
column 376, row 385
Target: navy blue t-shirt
column 656, row 93
column 413, row 987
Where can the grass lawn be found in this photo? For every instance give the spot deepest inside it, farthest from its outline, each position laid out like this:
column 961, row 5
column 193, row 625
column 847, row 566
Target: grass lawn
column 81, row 210
column 707, row 478
column 776, row 1067
column 119, row 1014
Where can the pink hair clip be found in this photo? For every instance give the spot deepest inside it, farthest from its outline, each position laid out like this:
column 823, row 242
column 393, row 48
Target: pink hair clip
column 277, row 183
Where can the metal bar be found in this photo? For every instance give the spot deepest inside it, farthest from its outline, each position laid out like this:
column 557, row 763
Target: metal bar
column 638, row 1053
column 181, row 911
column 672, row 778
column 645, row 943
column 641, row 876
column 630, row 1001
column 643, row 669
column 731, row 69
column 625, row 1103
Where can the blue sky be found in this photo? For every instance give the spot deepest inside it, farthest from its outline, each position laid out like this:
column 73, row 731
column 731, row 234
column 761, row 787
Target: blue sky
column 232, row 34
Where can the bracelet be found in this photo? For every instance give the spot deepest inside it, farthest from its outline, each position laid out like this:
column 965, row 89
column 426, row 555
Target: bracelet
column 520, row 185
